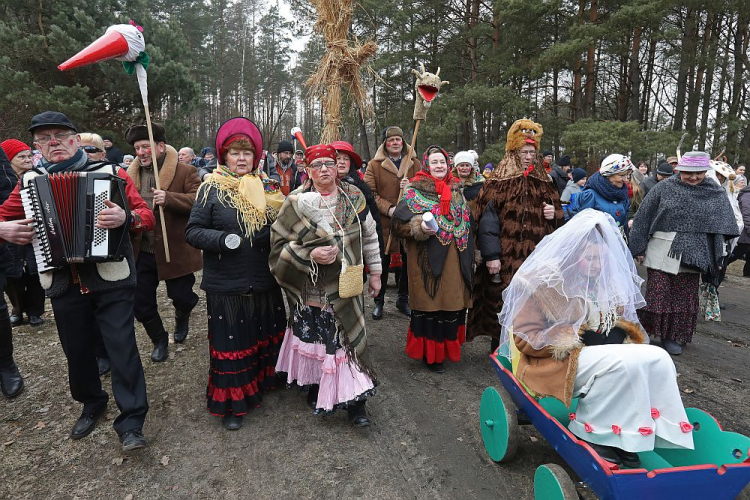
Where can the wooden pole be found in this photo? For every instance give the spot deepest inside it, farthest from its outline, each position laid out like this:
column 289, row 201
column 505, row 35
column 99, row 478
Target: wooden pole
column 403, row 169
column 156, row 177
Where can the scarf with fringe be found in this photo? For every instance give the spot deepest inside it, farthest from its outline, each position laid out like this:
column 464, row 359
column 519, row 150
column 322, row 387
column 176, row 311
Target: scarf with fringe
column 701, row 215
column 256, row 198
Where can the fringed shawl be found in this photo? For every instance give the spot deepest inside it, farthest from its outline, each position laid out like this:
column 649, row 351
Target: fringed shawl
column 420, row 197
column 254, row 196
column 701, row 215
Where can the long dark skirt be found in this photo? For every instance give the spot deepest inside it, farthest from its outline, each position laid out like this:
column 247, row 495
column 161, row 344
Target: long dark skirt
column 671, row 311
column 244, row 335
column 433, row 336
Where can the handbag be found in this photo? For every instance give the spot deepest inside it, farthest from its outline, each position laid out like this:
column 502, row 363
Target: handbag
column 351, row 278
column 709, row 302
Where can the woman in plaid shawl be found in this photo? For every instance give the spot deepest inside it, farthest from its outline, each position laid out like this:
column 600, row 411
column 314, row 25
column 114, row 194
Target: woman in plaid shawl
column 321, row 225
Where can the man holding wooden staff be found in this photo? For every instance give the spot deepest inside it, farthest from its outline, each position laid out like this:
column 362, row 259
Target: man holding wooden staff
column 179, row 183
column 382, row 176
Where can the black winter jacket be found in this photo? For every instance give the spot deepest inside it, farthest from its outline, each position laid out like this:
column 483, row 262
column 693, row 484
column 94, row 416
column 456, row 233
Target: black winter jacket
column 243, row 270
column 488, row 234
column 559, row 177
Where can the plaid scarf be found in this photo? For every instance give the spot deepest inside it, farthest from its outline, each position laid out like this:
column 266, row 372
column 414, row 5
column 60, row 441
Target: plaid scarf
column 293, row 238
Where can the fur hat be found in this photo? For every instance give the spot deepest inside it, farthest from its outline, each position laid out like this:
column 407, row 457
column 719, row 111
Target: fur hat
column 392, row 131
column 140, row 133
column 523, row 132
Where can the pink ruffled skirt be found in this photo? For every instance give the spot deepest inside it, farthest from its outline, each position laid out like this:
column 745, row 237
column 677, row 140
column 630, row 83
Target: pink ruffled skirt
column 340, row 379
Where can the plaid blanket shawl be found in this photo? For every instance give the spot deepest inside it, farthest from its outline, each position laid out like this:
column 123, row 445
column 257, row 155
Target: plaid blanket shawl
column 293, row 237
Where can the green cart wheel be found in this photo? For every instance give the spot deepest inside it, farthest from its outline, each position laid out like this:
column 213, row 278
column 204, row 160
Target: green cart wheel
column 499, row 424
column 551, row 482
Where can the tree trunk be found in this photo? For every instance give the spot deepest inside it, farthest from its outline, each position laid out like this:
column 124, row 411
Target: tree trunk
column 718, row 121
column 687, row 59
column 576, row 109
column 634, row 76
column 740, row 48
column 588, row 97
column 712, row 54
column 645, row 103
column 691, row 120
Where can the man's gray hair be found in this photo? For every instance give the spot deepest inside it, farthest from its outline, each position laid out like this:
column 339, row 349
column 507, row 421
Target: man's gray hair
column 189, row 150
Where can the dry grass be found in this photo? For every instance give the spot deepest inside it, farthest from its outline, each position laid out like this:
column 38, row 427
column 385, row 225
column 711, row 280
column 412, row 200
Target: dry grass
column 340, row 66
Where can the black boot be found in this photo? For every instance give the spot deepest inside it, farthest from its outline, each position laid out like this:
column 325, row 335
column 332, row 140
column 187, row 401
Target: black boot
column 357, row 414
column 160, row 338
column 181, row 325
column 402, row 304
column 312, row 396
column 11, row 382
column 377, row 313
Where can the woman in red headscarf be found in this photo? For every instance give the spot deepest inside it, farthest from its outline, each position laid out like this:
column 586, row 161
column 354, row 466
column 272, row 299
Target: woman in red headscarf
column 231, row 222
column 323, row 229
column 439, row 260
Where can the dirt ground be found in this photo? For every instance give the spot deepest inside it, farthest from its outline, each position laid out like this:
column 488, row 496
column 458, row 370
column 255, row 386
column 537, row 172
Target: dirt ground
column 424, row 443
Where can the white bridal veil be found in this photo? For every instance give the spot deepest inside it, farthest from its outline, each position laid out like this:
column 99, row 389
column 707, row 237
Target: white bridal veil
column 582, row 273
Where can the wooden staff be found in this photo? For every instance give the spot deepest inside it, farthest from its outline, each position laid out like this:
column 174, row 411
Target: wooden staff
column 156, row 177
column 403, row 169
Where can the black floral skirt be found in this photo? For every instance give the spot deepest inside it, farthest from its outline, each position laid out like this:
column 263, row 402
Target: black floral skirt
column 245, row 333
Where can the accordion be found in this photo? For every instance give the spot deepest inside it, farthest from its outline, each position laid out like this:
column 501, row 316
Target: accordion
column 65, row 207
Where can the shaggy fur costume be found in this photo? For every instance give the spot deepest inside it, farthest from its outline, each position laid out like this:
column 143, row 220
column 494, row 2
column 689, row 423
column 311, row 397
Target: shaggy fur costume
column 518, row 200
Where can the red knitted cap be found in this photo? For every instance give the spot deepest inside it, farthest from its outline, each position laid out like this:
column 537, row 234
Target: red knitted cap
column 12, row 147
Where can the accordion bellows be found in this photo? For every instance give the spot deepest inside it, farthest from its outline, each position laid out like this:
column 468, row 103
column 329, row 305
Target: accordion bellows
column 65, row 207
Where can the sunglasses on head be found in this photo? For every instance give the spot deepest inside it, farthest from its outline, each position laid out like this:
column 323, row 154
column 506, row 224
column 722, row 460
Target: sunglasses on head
column 92, row 149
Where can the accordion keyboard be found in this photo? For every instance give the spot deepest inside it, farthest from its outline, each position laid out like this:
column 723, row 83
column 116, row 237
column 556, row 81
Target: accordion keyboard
column 100, row 238
column 40, row 242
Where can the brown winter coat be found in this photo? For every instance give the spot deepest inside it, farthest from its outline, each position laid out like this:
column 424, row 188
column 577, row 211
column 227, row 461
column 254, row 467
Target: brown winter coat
column 382, row 177
column 453, row 294
column 180, row 181
column 551, row 370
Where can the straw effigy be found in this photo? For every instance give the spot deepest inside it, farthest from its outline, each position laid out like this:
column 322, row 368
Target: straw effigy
column 340, row 66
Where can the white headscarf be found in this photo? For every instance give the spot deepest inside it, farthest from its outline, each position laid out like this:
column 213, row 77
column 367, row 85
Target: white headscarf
column 563, row 267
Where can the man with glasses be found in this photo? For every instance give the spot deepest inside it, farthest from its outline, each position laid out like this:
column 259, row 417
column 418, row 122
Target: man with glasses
column 93, row 296
column 518, row 206
column 178, row 187
column 382, row 177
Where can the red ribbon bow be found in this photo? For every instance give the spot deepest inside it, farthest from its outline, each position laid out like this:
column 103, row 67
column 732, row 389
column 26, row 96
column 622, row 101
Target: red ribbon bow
column 528, row 171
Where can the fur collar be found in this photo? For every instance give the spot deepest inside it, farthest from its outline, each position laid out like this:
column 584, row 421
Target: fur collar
column 167, row 169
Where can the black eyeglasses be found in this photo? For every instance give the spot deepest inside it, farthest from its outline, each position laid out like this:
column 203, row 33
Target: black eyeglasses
column 92, row 149
column 320, row 164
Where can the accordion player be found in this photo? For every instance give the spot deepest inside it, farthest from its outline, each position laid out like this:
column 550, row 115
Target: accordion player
column 65, row 207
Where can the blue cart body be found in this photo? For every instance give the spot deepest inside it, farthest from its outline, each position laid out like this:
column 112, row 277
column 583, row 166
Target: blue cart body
column 698, row 482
